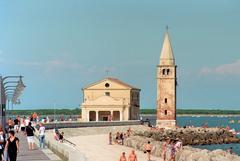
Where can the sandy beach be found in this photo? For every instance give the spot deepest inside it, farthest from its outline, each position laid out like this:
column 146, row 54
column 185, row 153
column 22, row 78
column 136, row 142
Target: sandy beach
column 93, row 143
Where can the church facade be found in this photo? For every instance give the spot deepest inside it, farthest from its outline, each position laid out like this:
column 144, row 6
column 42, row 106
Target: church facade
column 110, row 100
column 166, row 86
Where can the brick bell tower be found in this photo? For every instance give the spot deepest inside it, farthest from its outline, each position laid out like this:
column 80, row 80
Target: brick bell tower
column 166, row 86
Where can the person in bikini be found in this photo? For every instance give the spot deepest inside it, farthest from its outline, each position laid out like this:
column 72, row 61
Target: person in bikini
column 132, row 156
column 123, row 157
column 148, row 149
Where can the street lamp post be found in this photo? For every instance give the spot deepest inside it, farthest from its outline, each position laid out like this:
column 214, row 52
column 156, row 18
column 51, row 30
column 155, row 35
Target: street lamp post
column 9, row 92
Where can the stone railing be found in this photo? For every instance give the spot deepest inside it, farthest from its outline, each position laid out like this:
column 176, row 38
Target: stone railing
column 77, row 124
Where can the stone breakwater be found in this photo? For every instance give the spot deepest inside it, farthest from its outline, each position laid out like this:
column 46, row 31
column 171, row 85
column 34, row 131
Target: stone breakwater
column 185, row 154
column 193, row 136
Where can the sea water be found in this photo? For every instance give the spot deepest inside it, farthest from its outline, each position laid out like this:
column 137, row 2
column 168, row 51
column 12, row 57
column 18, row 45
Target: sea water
column 211, row 121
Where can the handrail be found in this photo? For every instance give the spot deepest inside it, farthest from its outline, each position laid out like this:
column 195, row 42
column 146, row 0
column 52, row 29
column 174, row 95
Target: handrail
column 69, row 142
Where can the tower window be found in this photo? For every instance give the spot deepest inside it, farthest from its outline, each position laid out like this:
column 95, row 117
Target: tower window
column 165, row 100
column 168, row 71
column 163, row 71
column 165, row 112
column 107, row 93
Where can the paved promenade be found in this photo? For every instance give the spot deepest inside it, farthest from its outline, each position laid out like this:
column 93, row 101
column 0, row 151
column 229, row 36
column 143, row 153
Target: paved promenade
column 33, row 155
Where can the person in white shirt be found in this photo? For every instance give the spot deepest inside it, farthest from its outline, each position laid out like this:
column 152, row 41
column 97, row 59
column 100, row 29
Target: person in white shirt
column 27, row 120
column 41, row 136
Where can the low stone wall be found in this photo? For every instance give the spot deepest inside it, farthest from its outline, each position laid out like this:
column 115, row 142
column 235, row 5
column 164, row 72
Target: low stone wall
column 76, row 124
column 193, row 136
column 58, row 150
column 64, row 151
column 186, row 154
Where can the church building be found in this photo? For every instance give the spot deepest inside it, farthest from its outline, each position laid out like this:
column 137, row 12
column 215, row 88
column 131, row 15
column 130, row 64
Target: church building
column 166, row 86
column 110, row 100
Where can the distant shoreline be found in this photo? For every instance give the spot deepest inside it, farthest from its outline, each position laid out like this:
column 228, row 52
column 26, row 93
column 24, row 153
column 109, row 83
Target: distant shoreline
column 197, row 115
column 180, row 112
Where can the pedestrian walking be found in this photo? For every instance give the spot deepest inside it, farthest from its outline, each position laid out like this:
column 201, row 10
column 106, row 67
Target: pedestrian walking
column 110, row 138
column 41, row 136
column 10, row 124
column 165, row 148
column 22, row 124
column 122, row 138
column 2, row 143
column 30, row 136
column 16, row 124
column 12, row 146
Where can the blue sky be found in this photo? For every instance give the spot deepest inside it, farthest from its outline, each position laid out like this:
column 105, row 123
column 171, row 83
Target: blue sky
column 62, row 45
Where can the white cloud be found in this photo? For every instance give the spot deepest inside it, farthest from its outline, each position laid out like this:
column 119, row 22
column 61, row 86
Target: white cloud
column 224, row 69
column 50, row 65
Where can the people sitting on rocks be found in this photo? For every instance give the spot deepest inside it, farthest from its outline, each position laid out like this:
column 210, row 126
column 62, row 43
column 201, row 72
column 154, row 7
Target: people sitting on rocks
column 61, row 138
column 129, row 132
column 119, row 137
column 56, row 134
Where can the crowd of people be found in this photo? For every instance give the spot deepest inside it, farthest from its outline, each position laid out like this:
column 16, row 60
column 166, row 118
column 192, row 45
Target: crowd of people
column 9, row 143
column 119, row 137
column 169, row 147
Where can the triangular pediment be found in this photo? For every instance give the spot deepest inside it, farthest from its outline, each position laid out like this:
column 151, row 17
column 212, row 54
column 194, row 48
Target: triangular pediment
column 109, row 83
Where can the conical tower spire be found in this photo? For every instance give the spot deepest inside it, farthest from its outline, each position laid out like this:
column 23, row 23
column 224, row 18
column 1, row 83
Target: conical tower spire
column 167, row 57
